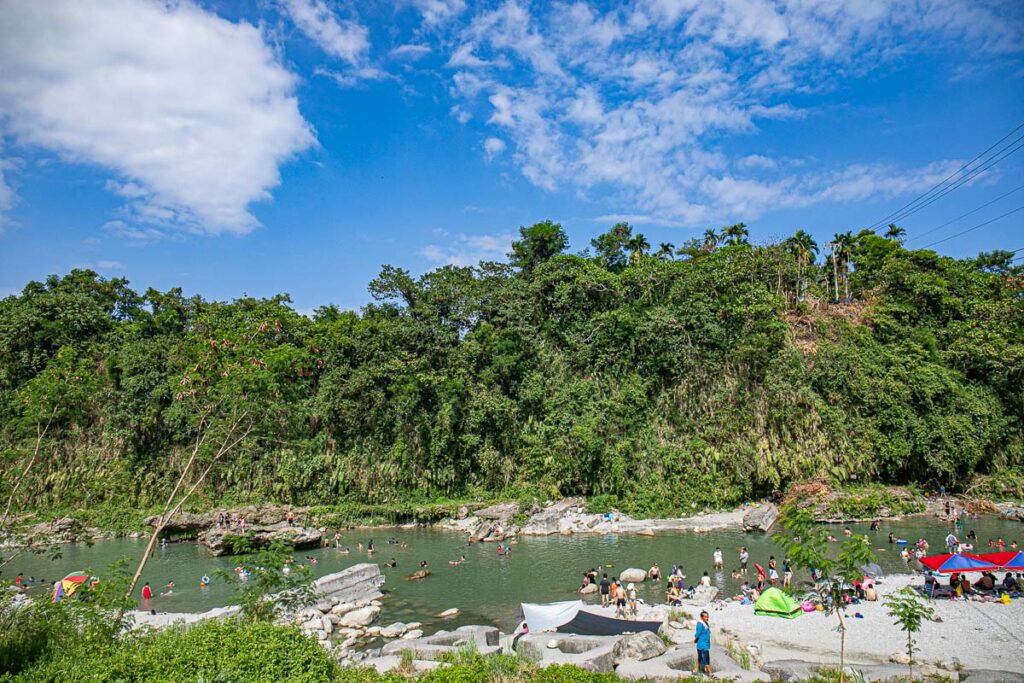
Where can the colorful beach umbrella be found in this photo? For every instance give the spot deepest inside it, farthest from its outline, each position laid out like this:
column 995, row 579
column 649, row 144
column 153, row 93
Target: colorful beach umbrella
column 948, row 564
column 68, row 585
column 1009, row 559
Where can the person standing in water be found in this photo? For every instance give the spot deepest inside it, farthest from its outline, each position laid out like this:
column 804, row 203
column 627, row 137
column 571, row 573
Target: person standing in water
column 719, row 563
column 702, row 639
column 605, row 590
column 744, row 558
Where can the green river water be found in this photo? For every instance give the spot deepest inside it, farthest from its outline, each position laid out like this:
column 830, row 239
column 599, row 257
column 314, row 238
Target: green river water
column 486, row 588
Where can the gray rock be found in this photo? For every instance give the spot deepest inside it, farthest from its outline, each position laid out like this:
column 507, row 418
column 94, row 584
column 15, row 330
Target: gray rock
column 702, row 595
column 364, row 616
column 394, row 630
column 760, row 518
column 990, row 676
column 588, row 589
column 503, row 512
column 639, row 646
column 220, row 541
column 633, row 575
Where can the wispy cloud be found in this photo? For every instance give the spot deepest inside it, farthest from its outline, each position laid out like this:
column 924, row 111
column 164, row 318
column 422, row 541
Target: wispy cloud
column 340, row 38
column 631, row 102
column 468, row 250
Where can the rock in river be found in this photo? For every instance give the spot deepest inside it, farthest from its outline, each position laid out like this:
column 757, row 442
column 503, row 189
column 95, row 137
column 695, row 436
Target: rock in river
column 640, row 646
column 363, row 616
column 760, row 518
column 633, row 574
column 221, row 541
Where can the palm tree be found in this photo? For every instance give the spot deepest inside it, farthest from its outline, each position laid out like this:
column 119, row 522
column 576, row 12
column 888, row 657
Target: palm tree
column 711, row 240
column 665, row 251
column 638, row 246
column 736, row 234
column 805, row 249
column 895, row 233
column 842, row 252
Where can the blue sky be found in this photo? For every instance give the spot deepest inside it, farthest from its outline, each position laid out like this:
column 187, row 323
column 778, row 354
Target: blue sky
column 296, row 145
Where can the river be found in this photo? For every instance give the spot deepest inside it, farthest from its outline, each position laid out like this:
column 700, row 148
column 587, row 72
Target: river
column 486, row 588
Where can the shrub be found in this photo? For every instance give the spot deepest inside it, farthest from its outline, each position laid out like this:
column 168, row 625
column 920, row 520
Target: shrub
column 212, row 650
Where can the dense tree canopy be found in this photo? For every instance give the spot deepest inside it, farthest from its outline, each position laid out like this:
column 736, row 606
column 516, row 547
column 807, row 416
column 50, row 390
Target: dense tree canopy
column 724, row 374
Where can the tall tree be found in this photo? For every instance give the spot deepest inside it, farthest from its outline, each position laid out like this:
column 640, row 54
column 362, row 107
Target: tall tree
column 736, row 233
column 804, row 249
column 843, row 253
column 638, row 246
column 665, row 251
column 895, row 233
column 710, row 240
column 610, row 247
column 536, row 244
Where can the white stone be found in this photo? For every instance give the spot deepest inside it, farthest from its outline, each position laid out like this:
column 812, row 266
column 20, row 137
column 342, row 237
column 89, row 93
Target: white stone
column 364, row 616
column 413, row 625
column 451, row 612
column 413, row 635
column 553, row 644
column 394, row 630
column 343, row 608
column 326, row 625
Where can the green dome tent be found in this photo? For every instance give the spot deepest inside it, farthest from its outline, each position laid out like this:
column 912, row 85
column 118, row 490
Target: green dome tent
column 775, row 603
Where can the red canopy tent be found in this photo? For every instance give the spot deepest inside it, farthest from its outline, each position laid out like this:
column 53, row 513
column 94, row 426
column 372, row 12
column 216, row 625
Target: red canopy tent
column 950, row 564
column 1010, row 559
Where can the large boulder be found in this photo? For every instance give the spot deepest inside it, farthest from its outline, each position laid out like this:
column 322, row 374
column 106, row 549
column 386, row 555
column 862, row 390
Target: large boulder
column 182, row 523
column 358, row 618
column 760, row 518
column 588, row 589
column 702, row 595
column 639, row 646
column 222, row 541
column 633, row 575
column 503, row 512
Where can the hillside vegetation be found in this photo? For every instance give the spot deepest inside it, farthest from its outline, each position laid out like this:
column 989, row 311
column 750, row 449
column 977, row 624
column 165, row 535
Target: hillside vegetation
column 702, row 376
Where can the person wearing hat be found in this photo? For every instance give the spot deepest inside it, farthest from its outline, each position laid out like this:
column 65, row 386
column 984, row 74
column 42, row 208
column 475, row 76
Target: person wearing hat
column 631, row 593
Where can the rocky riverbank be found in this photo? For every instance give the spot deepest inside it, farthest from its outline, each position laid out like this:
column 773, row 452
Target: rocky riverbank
column 304, row 527
column 748, row 648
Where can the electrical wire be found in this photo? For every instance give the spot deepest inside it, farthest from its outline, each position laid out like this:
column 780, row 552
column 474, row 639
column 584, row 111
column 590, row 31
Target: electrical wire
column 967, row 177
column 889, row 218
column 965, row 215
column 974, row 227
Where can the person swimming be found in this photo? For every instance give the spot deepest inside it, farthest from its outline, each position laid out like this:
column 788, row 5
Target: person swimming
column 204, row 581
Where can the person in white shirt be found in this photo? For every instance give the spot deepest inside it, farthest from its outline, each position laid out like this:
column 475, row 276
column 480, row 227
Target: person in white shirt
column 718, row 559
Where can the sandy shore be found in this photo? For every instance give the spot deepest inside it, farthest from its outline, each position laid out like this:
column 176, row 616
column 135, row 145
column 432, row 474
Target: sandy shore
column 980, row 635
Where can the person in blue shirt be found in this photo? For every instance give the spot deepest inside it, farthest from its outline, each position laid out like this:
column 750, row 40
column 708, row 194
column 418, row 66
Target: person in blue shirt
column 702, row 639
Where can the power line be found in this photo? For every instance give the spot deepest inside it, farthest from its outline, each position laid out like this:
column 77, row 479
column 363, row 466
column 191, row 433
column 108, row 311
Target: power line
column 974, row 227
column 944, row 180
column 965, row 215
column 967, row 177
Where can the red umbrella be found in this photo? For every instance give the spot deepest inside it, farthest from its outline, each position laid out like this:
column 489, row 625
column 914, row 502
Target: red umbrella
column 949, row 564
column 1010, row 559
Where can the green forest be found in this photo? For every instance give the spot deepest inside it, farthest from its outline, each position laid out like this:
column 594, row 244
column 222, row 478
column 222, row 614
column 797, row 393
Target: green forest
column 656, row 379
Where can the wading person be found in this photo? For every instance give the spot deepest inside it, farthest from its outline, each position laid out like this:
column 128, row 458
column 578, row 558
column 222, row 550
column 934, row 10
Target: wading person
column 605, row 590
column 702, row 639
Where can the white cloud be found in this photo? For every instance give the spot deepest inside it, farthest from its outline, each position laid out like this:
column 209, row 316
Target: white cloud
column 632, row 102
column 344, row 39
column 439, row 11
column 493, row 147
column 192, row 113
column 109, row 265
column 6, row 191
column 410, row 51
column 468, row 250
column 354, row 76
